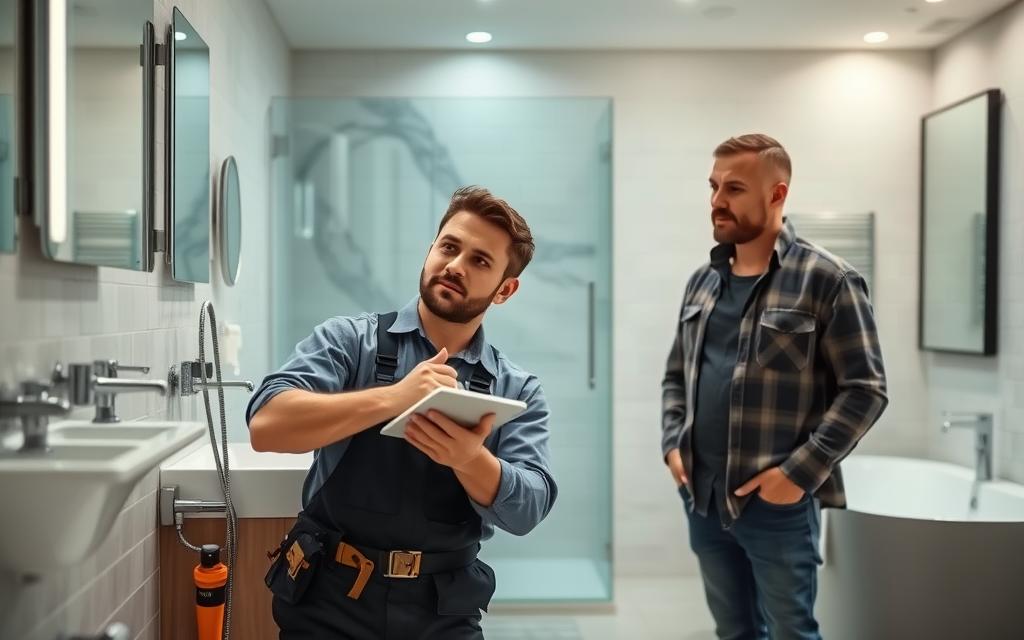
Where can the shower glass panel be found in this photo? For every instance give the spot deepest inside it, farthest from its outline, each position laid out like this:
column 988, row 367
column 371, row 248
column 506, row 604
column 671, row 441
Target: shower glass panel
column 359, row 187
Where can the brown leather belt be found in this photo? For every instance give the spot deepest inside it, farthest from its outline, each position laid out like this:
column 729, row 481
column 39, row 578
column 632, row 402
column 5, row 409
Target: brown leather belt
column 398, row 564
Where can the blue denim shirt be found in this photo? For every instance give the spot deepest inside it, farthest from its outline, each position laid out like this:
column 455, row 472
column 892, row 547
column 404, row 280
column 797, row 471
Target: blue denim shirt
column 340, row 356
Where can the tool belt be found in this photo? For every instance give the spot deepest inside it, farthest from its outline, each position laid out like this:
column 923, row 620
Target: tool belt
column 398, row 564
column 298, row 557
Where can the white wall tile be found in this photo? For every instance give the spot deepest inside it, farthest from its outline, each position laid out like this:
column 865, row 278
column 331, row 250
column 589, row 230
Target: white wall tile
column 53, row 311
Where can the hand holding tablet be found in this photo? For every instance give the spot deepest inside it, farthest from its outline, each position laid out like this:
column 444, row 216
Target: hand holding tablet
column 464, row 407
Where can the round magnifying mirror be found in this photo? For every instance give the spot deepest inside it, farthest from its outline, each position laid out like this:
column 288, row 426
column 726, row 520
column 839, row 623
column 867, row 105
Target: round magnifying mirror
column 229, row 219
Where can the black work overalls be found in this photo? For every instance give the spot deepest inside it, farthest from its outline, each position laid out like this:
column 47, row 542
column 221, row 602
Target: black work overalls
column 389, row 504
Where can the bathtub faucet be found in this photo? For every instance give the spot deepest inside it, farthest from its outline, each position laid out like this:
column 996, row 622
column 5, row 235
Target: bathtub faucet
column 982, row 425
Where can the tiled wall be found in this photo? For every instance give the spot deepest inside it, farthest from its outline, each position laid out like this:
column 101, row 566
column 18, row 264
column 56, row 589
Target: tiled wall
column 850, row 121
column 989, row 56
column 52, row 311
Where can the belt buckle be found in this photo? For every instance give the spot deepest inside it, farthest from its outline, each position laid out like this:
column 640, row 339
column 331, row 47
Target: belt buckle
column 404, row 564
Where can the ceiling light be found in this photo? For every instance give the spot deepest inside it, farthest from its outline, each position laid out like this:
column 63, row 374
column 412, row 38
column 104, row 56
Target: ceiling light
column 478, row 37
column 876, row 37
column 179, row 36
column 933, row 1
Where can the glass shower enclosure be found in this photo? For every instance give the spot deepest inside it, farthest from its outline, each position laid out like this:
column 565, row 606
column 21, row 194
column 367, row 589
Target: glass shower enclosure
column 359, row 186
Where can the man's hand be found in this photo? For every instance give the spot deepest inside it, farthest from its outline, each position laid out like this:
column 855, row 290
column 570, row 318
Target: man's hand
column 424, row 378
column 675, row 467
column 446, row 442
column 774, row 487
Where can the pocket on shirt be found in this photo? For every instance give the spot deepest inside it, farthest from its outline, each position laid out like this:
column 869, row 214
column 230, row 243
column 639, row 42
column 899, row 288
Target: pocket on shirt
column 689, row 323
column 786, row 339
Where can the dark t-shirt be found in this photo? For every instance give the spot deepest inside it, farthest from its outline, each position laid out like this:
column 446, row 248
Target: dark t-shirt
column 714, row 384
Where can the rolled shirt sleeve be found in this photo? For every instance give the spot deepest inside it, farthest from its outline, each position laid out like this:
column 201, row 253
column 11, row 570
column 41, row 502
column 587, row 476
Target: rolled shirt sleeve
column 322, row 363
column 527, row 489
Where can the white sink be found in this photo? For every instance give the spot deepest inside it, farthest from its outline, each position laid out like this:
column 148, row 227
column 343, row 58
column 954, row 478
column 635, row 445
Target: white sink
column 58, row 506
column 263, row 485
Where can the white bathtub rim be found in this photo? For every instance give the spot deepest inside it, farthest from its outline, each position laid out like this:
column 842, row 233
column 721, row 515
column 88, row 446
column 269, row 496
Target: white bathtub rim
column 954, row 470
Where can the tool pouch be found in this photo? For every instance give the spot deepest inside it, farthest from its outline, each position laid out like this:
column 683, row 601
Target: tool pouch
column 294, row 565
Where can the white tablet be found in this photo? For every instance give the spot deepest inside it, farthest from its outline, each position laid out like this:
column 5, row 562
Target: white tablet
column 462, row 406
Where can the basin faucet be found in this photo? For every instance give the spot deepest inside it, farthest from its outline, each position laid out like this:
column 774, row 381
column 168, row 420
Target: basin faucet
column 106, row 410
column 34, row 406
column 83, row 386
column 188, row 379
column 982, row 425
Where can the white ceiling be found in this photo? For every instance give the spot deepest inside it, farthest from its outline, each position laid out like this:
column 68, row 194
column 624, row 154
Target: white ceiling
column 625, row 24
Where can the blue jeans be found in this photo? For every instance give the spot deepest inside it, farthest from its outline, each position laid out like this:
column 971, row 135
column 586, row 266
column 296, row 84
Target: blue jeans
column 760, row 576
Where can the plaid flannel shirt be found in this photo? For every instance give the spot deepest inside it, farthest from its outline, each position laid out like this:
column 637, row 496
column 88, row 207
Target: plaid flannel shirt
column 809, row 380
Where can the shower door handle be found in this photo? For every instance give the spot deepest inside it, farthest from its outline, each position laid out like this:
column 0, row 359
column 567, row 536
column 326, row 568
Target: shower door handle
column 591, row 381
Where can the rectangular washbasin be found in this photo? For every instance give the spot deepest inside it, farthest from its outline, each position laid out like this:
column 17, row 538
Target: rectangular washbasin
column 58, row 456
column 109, row 432
column 263, row 484
column 64, row 500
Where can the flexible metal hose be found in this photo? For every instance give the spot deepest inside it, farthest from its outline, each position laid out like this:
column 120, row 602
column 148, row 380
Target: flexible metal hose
column 223, row 469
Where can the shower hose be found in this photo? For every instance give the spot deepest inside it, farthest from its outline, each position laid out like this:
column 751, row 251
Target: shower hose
column 231, row 546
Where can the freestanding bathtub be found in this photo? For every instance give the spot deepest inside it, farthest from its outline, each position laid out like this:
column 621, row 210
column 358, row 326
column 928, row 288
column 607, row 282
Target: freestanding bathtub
column 908, row 559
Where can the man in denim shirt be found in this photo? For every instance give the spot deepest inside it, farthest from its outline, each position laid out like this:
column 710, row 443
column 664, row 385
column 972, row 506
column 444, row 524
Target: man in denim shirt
column 775, row 375
column 386, row 544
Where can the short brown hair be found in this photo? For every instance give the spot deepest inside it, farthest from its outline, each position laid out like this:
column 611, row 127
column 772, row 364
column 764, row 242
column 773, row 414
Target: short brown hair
column 483, row 203
column 766, row 148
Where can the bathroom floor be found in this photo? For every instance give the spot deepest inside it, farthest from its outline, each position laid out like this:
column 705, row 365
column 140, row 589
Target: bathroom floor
column 646, row 609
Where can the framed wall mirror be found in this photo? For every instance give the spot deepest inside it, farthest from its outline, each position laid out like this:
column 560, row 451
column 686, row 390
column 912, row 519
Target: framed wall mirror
column 188, row 152
column 228, row 219
column 93, row 131
column 960, row 156
column 9, row 97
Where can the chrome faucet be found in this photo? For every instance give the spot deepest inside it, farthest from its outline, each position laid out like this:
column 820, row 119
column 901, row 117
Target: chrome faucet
column 34, row 406
column 187, row 379
column 982, row 425
column 83, row 386
column 106, row 411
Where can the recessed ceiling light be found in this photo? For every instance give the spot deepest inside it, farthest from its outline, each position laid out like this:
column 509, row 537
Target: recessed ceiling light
column 179, row 36
column 933, row 1
column 478, row 37
column 876, row 37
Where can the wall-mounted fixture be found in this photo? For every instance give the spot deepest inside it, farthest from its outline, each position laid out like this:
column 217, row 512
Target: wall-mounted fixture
column 93, row 121
column 228, row 220
column 187, row 170
column 12, row 41
column 960, row 226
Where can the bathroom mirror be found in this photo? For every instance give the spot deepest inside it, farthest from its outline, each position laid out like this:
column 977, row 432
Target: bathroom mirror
column 188, row 152
column 228, row 219
column 8, row 111
column 959, row 225
column 93, row 115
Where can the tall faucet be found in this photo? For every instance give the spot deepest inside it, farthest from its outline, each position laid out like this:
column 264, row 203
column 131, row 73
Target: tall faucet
column 106, row 409
column 83, row 386
column 982, row 425
column 34, row 406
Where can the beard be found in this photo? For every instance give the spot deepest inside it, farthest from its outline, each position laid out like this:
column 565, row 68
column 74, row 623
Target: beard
column 741, row 232
column 449, row 305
